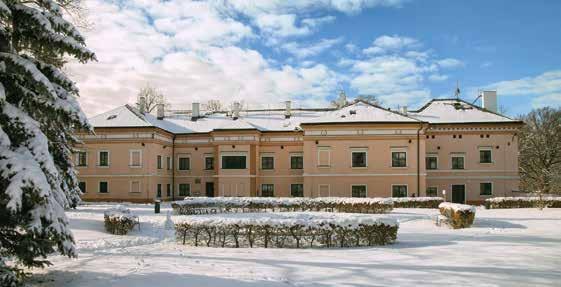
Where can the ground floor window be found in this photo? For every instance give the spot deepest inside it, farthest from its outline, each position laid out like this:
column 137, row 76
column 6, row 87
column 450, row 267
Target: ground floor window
column 159, row 190
column 168, row 190
column 485, row 188
column 103, row 187
column 82, row 186
column 358, row 191
column 267, row 190
column 431, row 191
column 399, row 191
column 184, row 189
column 297, row 190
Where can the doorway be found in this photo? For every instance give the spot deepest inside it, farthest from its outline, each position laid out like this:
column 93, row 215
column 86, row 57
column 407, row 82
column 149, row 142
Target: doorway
column 459, row 193
column 209, row 187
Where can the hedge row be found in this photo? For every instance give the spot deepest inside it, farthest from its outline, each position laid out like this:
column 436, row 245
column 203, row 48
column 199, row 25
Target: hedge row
column 281, row 233
column 119, row 220
column 458, row 215
column 523, row 202
column 417, row 202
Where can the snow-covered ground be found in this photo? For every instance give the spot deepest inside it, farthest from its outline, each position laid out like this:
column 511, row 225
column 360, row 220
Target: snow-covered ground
column 511, row 247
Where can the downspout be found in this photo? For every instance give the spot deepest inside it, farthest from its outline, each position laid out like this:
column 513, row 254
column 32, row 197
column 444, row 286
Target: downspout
column 173, row 168
column 419, row 160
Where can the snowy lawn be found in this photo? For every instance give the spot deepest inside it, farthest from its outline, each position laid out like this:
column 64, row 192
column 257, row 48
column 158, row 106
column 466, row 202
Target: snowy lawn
column 505, row 247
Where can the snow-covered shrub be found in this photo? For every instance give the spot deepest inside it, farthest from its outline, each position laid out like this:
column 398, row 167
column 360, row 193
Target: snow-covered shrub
column 285, row 230
column 523, row 202
column 119, row 220
column 206, row 205
column 417, row 202
column 458, row 215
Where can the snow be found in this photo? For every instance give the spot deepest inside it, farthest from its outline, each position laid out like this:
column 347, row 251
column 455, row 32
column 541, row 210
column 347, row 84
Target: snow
column 416, row 199
column 444, row 111
column 529, row 198
column 4, row 9
column 241, row 202
column 504, row 247
column 361, row 112
column 457, row 206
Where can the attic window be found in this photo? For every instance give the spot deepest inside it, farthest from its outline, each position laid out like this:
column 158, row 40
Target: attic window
column 352, row 112
column 343, row 116
column 111, row 117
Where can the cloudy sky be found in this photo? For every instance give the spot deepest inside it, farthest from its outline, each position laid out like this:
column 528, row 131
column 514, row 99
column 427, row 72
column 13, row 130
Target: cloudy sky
column 264, row 52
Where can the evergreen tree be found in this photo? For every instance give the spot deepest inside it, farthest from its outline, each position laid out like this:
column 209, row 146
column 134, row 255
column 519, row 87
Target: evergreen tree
column 38, row 114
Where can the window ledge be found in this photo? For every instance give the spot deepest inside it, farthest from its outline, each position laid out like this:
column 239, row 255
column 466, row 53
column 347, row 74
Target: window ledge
column 135, row 166
column 359, row 167
column 102, row 166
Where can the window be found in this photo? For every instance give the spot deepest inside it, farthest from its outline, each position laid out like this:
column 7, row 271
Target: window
column 103, row 187
column 168, row 190
column 358, row 190
column 135, row 186
column 184, row 189
column 297, row 190
column 432, row 191
column 159, row 159
column 135, row 158
column 267, row 162
column 209, row 163
column 485, row 188
column 103, row 158
column 399, row 159
column 233, row 162
column 168, row 163
column 358, row 158
column 82, row 186
column 432, row 162
column 184, row 163
column 81, row 158
column 267, row 190
column 324, row 157
column 457, row 162
column 159, row 190
column 399, row 190
column 324, row 190
column 296, row 162
column 485, row 156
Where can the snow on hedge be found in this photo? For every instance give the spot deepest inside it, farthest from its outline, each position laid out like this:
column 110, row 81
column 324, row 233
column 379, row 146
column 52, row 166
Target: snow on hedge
column 457, row 206
column 523, row 202
column 119, row 220
column 458, row 215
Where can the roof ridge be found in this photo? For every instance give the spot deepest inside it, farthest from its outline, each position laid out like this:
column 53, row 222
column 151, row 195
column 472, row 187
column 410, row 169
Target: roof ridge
column 385, row 109
column 137, row 113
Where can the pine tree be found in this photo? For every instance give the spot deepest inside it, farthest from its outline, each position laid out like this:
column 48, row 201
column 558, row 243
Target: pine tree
column 38, row 114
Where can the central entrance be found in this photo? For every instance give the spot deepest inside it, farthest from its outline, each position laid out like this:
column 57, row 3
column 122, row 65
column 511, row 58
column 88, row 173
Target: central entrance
column 459, row 193
column 209, row 188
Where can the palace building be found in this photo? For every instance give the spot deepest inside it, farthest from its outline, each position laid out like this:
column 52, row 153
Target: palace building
column 448, row 148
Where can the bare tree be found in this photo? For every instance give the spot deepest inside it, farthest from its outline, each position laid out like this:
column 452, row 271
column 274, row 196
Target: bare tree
column 214, row 106
column 341, row 101
column 540, row 151
column 152, row 96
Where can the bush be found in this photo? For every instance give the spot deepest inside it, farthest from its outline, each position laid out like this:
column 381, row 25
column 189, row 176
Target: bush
column 119, row 220
column 417, row 202
column 287, row 230
column 458, row 215
column 206, row 205
column 523, row 202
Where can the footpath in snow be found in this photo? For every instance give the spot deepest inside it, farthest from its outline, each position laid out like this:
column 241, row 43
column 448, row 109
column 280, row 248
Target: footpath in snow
column 506, row 247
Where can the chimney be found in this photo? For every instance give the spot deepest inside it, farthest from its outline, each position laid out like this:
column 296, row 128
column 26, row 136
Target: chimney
column 287, row 112
column 236, row 111
column 489, row 100
column 160, row 111
column 195, row 111
column 404, row 110
column 142, row 104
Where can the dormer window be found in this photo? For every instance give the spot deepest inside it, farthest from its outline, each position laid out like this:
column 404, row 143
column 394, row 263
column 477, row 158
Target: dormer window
column 111, row 117
column 352, row 112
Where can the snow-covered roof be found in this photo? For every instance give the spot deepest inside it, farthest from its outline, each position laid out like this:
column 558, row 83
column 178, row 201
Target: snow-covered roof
column 453, row 111
column 361, row 112
column 436, row 111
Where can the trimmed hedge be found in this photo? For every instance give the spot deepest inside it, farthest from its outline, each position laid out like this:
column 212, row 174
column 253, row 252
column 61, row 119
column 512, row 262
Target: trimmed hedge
column 291, row 230
column 208, row 205
column 119, row 220
column 417, row 202
column 522, row 202
column 458, row 215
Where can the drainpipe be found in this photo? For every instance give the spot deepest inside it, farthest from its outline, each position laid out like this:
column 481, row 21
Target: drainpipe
column 173, row 168
column 419, row 160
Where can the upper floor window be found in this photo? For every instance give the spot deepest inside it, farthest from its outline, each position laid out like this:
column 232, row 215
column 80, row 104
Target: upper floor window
column 358, row 190
column 399, row 190
column 297, row 190
column 458, row 161
column 485, row 156
column 296, row 162
column 432, row 162
column 159, row 161
column 209, row 163
column 358, row 158
column 135, row 158
column 184, row 163
column 103, row 187
column 81, row 158
column 103, row 158
column 168, row 163
column 432, row 191
column 267, row 190
column 324, row 157
column 267, row 162
column 184, row 189
column 485, row 188
column 234, row 162
column 399, row 159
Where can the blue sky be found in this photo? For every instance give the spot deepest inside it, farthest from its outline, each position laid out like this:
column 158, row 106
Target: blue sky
column 264, row 52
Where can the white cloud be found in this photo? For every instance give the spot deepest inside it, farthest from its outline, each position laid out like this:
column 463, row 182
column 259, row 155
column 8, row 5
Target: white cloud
column 315, row 22
column 450, row 63
column 303, row 51
column 385, row 43
column 252, row 8
column 281, row 25
column 438, row 77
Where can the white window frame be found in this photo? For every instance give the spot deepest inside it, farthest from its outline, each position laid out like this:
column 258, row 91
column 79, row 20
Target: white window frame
column 400, row 184
column 139, row 187
column 99, row 187
column 328, row 189
column 179, row 189
column 399, row 149
column 185, row 155
column 99, row 158
column 77, row 158
column 208, row 155
column 479, row 155
column 359, row 184
column 131, row 151
column 235, row 153
column 492, row 188
column 267, row 154
column 359, row 150
column 437, row 162
column 320, row 150
column 452, row 155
